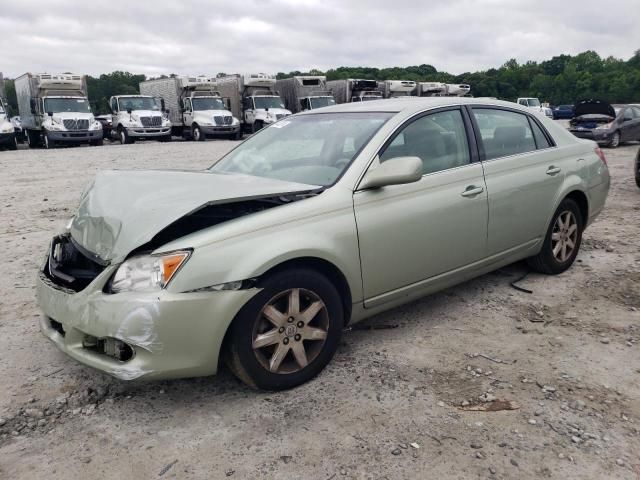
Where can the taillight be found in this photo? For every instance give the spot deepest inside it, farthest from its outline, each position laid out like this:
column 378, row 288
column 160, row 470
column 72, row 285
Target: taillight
column 600, row 154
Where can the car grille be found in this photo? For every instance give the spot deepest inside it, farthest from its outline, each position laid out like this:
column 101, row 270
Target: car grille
column 70, row 124
column 223, row 120
column 280, row 115
column 69, row 267
column 154, row 121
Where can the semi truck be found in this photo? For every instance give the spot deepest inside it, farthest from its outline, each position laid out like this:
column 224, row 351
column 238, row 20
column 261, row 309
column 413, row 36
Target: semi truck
column 54, row 110
column 139, row 117
column 396, row 88
column 196, row 109
column 253, row 99
column 305, row 92
column 439, row 89
column 8, row 137
column 354, row 90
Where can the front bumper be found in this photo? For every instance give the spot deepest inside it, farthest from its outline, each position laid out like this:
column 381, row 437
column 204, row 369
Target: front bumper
column 220, row 130
column 71, row 136
column 7, row 138
column 148, row 132
column 173, row 335
column 601, row 136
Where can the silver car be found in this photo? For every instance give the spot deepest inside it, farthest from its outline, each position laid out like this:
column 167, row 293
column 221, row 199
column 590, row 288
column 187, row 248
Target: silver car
column 317, row 222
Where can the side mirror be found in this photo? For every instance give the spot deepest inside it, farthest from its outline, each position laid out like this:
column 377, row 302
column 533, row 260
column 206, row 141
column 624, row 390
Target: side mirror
column 129, row 111
column 32, row 105
column 167, row 111
column 395, row 171
column 162, row 104
column 50, row 114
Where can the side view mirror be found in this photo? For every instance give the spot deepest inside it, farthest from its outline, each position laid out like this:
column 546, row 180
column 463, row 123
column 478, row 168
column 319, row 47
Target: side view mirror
column 167, row 111
column 50, row 114
column 32, row 105
column 395, row 171
column 129, row 111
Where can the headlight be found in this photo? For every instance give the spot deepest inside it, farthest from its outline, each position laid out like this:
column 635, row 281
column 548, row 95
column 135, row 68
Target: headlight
column 95, row 126
column 606, row 126
column 147, row 273
column 235, row 121
column 53, row 126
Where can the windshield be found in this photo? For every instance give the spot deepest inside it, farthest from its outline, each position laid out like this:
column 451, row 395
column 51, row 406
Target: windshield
column 312, row 149
column 138, row 103
column 319, row 102
column 268, row 102
column 533, row 102
column 56, row 105
column 200, row 104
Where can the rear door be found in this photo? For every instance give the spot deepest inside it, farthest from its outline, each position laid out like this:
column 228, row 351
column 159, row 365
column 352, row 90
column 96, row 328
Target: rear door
column 523, row 176
column 409, row 233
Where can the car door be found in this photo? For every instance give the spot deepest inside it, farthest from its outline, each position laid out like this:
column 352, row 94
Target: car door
column 187, row 114
column 523, row 174
column 410, row 233
column 630, row 126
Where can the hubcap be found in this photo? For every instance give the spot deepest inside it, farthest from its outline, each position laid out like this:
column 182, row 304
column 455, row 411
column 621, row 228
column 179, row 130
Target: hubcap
column 564, row 236
column 290, row 331
column 122, row 137
column 196, row 133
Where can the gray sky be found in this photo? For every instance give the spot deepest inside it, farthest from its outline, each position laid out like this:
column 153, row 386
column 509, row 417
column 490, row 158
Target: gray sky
column 206, row 37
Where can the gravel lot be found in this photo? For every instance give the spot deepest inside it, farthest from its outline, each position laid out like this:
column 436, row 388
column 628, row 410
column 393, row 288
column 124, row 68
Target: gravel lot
column 388, row 406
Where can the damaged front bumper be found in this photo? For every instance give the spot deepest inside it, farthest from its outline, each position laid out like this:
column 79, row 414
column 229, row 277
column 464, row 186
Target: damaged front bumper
column 170, row 335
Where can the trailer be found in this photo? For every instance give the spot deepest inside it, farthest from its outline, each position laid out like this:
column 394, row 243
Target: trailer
column 305, row 92
column 354, row 90
column 253, row 99
column 195, row 108
column 396, row 88
column 439, row 89
column 8, row 136
column 54, row 109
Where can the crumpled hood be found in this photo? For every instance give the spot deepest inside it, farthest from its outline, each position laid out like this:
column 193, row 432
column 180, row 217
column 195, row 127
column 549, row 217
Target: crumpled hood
column 593, row 107
column 122, row 210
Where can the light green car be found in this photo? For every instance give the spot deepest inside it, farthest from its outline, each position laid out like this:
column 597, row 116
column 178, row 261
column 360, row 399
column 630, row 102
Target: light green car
column 319, row 221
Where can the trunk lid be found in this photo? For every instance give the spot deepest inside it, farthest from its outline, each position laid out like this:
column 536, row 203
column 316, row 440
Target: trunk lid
column 122, row 210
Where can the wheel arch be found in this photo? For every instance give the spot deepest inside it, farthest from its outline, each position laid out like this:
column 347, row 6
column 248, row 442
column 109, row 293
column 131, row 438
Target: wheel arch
column 581, row 199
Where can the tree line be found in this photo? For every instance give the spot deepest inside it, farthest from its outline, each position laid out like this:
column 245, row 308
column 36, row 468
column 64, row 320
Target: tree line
column 562, row 79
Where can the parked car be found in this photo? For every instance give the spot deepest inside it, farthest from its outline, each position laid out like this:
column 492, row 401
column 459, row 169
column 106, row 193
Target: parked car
column 105, row 121
column 316, row 222
column 599, row 121
column 562, row 112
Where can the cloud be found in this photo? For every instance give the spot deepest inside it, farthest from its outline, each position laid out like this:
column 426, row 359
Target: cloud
column 207, row 37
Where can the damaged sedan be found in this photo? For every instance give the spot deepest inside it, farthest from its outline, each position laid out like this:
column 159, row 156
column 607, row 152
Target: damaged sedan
column 319, row 221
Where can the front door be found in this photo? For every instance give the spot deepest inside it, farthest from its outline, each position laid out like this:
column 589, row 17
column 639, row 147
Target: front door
column 410, row 233
column 187, row 115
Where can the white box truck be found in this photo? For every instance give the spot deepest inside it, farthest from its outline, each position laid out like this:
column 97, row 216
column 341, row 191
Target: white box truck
column 354, row 90
column 196, row 109
column 439, row 89
column 397, row 88
column 54, row 109
column 305, row 92
column 253, row 99
column 139, row 117
column 8, row 137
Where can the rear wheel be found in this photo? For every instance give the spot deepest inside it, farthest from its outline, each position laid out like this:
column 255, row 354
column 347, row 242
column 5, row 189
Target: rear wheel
column 287, row 333
column 562, row 241
column 615, row 140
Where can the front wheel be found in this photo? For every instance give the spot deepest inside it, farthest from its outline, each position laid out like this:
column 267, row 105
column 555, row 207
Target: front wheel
column 237, row 135
column 287, row 333
column 615, row 140
column 14, row 145
column 124, row 137
column 48, row 143
column 97, row 143
column 562, row 241
column 196, row 134
column 256, row 126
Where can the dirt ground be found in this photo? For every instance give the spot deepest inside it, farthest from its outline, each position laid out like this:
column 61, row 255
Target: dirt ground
column 389, row 406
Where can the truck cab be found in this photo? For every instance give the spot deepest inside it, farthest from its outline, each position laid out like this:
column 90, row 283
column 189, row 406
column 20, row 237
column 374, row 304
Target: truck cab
column 535, row 105
column 208, row 115
column 8, row 137
column 138, row 117
column 261, row 109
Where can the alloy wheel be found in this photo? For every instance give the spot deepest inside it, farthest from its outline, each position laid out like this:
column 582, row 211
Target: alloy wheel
column 564, row 236
column 290, row 331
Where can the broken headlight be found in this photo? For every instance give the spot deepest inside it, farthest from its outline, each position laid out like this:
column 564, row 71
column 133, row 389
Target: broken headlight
column 147, row 273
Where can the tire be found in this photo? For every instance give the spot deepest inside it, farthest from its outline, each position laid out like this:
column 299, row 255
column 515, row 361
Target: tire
column 33, row 139
column 97, row 143
column 124, row 137
column 47, row 143
column 166, row 138
column 637, row 169
column 13, row 145
column 196, row 134
column 256, row 126
column 262, row 367
column 552, row 263
column 615, row 140
column 237, row 135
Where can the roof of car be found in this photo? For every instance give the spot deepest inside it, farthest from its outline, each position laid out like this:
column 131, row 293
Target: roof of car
column 411, row 104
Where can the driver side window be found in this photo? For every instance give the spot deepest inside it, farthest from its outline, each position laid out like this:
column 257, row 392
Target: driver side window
column 187, row 104
column 439, row 140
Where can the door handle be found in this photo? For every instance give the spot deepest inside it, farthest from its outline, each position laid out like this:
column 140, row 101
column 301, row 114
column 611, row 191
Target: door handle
column 553, row 170
column 472, row 191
